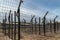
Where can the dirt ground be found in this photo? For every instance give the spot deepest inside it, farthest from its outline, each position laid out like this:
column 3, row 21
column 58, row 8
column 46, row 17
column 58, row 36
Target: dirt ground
column 34, row 36
column 27, row 36
column 48, row 36
column 3, row 37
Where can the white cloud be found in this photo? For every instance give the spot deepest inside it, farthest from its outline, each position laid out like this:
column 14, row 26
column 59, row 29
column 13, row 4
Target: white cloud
column 39, row 11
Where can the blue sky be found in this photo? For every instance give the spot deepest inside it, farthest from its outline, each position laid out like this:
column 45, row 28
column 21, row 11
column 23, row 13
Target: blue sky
column 33, row 7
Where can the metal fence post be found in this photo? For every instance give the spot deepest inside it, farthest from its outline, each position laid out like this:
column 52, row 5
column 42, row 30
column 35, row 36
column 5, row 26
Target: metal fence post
column 32, row 26
column 14, row 25
column 31, row 21
column 50, row 26
column 44, row 18
column 3, row 26
column 9, row 24
column 24, row 23
column 55, row 24
column 35, row 26
column 44, row 25
column 39, row 26
column 18, row 14
column 54, row 27
column 5, row 23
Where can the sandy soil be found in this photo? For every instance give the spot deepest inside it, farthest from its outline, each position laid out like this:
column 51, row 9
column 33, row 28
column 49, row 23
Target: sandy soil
column 3, row 37
column 27, row 36
column 48, row 36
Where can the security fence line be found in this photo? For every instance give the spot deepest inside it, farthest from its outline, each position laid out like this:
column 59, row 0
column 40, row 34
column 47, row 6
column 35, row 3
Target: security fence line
column 12, row 26
column 33, row 26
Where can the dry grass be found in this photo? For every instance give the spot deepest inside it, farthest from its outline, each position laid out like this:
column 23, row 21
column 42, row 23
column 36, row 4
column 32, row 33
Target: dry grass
column 27, row 35
column 40, row 37
column 30, row 36
column 3, row 37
